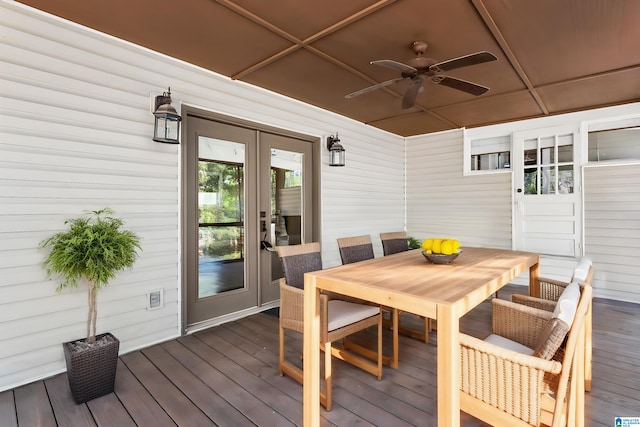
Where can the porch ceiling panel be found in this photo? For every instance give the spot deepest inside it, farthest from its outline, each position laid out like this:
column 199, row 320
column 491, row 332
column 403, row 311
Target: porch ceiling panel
column 558, row 41
column 415, row 123
column 553, row 56
column 605, row 89
column 302, row 75
column 495, row 109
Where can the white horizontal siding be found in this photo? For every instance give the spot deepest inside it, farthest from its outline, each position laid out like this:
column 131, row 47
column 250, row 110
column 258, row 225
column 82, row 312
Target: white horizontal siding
column 442, row 202
column 365, row 197
column 612, row 229
column 75, row 135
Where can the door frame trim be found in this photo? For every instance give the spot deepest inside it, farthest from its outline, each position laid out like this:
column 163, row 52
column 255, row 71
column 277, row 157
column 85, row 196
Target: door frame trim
column 188, row 110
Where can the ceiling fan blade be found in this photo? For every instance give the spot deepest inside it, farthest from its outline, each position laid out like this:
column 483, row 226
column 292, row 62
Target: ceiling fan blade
column 463, row 85
column 464, row 61
column 374, row 87
column 412, row 92
column 403, row 68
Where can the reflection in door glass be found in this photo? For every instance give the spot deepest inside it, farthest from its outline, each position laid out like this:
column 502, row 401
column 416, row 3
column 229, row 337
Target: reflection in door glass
column 531, row 181
column 530, row 157
column 547, row 185
column 220, row 216
column 286, row 201
column 565, row 179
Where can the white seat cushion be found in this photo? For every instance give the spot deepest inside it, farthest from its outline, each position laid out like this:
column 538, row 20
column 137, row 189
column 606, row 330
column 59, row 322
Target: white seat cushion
column 343, row 313
column 568, row 303
column 508, row 344
column 581, row 271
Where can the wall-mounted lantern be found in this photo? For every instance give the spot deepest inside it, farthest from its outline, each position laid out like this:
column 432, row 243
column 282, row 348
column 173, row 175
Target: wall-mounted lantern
column 167, row 125
column 336, row 151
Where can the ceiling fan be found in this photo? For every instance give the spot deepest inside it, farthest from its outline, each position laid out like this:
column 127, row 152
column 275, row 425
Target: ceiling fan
column 420, row 68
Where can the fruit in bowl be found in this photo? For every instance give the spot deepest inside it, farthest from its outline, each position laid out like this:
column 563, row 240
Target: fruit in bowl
column 441, row 250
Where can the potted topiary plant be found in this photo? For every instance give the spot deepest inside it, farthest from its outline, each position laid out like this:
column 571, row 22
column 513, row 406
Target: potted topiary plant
column 93, row 249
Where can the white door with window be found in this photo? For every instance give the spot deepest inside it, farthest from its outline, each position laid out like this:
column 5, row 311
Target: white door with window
column 547, row 214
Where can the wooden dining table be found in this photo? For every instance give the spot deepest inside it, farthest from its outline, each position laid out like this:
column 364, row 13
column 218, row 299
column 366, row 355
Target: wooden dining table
column 407, row 281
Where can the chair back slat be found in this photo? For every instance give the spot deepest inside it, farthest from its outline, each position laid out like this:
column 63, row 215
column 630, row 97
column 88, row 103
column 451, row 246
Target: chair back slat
column 355, row 249
column 394, row 242
column 299, row 259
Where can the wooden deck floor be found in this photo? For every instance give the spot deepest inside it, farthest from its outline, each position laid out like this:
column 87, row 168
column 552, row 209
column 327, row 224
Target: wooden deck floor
column 227, row 376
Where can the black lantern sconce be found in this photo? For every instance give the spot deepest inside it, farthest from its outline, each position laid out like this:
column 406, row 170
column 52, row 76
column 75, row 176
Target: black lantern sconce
column 336, row 151
column 167, row 125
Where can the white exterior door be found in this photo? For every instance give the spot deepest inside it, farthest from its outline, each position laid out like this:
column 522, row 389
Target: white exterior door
column 547, row 214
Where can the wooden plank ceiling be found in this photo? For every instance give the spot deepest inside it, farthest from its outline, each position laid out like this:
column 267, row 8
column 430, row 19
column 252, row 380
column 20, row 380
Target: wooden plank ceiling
column 553, row 56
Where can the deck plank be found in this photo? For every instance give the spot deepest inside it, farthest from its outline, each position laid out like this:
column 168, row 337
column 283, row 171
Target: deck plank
column 8, row 416
column 65, row 409
column 173, row 401
column 247, row 392
column 108, row 410
column 204, row 396
column 33, row 407
column 142, row 407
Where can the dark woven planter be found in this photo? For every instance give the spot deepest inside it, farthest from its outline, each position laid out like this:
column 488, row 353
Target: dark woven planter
column 91, row 371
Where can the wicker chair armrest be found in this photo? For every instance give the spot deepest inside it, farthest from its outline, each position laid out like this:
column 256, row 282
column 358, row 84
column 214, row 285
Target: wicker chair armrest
column 510, row 381
column 518, row 322
column 551, row 289
column 539, row 303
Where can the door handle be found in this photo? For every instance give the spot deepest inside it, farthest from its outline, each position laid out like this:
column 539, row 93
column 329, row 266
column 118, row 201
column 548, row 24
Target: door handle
column 266, row 246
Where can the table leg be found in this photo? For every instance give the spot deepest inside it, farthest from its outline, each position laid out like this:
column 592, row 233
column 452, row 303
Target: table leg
column 534, row 274
column 311, row 352
column 448, row 366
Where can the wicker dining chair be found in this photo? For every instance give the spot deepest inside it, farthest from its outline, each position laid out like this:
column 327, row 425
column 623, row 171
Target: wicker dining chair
column 549, row 290
column 360, row 248
column 393, row 243
column 523, row 376
column 338, row 319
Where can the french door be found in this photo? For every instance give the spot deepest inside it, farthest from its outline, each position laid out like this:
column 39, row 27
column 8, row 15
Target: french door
column 547, row 199
column 245, row 190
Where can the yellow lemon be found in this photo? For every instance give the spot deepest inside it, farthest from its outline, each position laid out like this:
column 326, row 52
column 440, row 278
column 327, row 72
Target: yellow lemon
column 446, row 247
column 436, row 246
column 427, row 244
column 456, row 246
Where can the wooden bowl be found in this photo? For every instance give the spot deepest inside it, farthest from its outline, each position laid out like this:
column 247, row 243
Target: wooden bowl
column 440, row 258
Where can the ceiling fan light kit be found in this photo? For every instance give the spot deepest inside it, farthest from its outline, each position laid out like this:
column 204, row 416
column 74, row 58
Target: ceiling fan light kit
column 418, row 69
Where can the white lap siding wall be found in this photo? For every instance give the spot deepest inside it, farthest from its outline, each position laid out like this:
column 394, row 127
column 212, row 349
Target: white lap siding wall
column 612, row 229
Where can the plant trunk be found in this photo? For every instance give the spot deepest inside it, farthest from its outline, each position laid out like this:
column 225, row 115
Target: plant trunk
column 93, row 314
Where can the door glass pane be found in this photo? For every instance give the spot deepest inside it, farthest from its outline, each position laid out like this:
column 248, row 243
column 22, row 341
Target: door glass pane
column 547, row 150
column 286, row 196
column 221, row 216
column 565, row 179
column 548, row 183
column 565, row 153
column 286, row 189
column 531, row 157
column 547, row 155
column 531, row 181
